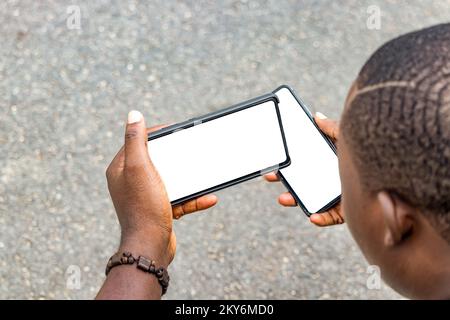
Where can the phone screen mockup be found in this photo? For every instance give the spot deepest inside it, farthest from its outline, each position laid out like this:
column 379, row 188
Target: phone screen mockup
column 219, row 150
column 313, row 175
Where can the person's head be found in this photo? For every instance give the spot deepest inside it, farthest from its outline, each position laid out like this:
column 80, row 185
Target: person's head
column 394, row 159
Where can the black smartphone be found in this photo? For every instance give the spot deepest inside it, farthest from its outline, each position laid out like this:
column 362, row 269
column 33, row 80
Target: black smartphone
column 220, row 149
column 313, row 175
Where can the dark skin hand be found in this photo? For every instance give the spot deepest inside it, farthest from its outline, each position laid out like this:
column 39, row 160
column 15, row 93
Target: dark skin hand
column 334, row 215
column 145, row 215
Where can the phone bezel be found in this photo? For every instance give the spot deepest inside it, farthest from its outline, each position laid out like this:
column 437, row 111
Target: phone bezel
column 218, row 114
column 334, row 201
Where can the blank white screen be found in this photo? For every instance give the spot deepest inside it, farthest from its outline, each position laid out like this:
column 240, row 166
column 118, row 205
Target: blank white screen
column 313, row 173
column 218, row 151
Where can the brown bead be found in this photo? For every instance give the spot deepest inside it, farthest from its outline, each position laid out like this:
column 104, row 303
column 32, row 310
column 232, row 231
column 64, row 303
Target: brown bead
column 124, row 260
column 166, row 278
column 130, row 260
column 143, row 263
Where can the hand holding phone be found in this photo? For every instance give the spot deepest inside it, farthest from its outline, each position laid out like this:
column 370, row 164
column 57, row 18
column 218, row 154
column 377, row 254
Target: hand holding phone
column 312, row 179
column 334, row 215
column 140, row 199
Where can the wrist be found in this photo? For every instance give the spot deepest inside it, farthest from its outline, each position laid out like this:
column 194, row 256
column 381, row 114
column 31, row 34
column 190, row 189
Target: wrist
column 152, row 247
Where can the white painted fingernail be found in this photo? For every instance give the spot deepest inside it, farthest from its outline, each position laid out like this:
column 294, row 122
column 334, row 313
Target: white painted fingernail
column 134, row 116
column 320, row 115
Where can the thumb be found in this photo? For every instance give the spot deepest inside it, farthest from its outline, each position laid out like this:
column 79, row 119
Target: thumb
column 135, row 140
column 328, row 126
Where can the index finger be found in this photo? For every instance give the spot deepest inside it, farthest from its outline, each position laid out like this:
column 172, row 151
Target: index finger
column 202, row 203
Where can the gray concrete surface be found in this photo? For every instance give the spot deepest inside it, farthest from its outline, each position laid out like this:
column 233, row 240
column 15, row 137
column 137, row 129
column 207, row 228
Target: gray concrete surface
column 64, row 95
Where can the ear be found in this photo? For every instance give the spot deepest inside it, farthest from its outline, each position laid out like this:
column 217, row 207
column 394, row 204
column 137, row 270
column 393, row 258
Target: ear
column 398, row 217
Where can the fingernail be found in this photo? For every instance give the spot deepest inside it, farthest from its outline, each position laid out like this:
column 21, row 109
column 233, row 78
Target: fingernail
column 134, row 116
column 212, row 197
column 320, row 115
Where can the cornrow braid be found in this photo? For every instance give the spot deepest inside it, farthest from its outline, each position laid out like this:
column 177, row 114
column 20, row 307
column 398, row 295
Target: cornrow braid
column 397, row 124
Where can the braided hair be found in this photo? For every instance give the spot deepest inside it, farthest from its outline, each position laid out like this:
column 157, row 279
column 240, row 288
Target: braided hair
column 397, row 124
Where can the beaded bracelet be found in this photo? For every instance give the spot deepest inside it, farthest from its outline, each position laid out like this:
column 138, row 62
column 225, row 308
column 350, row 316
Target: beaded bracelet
column 143, row 264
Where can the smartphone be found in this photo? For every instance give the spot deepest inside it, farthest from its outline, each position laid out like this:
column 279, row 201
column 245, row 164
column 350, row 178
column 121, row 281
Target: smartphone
column 313, row 175
column 220, row 149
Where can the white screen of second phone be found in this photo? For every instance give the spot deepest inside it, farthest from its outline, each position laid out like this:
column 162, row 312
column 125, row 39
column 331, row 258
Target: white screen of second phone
column 218, row 151
column 313, row 173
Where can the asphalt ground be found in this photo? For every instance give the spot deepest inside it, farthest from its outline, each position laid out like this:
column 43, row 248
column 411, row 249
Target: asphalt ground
column 64, row 96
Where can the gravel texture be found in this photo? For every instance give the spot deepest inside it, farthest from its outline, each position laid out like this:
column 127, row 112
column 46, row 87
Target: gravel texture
column 64, row 95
